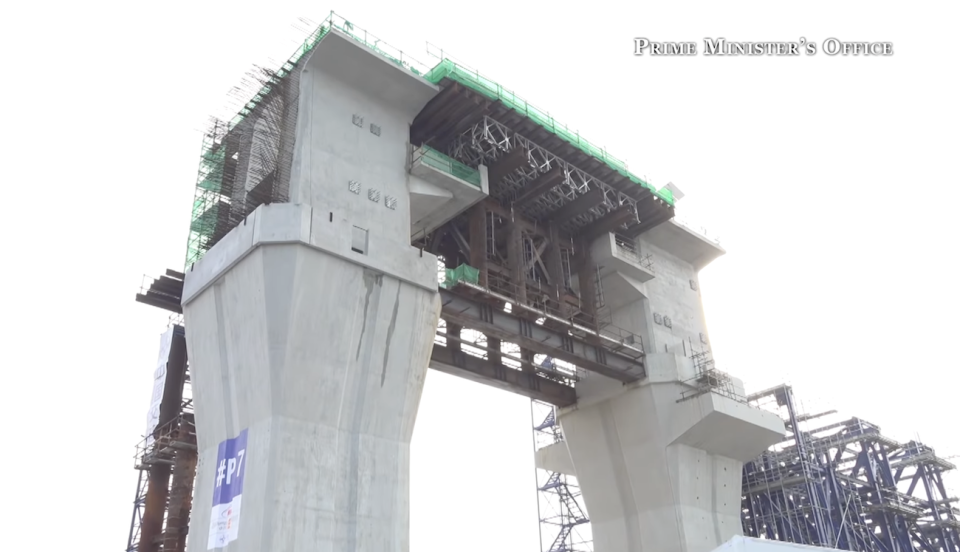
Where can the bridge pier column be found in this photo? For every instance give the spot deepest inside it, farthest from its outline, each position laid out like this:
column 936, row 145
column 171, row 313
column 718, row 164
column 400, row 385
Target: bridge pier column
column 314, row 357
column 658, row 475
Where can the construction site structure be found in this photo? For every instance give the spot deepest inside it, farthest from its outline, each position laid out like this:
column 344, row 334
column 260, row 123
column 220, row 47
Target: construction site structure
column 312, row 308
column 166, row 458
column 834, row 484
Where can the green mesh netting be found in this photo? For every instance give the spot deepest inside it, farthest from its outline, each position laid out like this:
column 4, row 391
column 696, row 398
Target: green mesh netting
column 493, row 91
column 439, row 161
column 463, row 273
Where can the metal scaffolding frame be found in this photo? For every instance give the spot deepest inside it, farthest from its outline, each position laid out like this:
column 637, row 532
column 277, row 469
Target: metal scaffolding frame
column 166, row 458
column 489, row 140
column 845, row 485
column 842, row 485
column 564, row 526
column 839, row 485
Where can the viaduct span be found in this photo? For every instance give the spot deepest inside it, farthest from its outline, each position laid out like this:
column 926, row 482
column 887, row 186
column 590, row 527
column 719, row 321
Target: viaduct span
column 324, row 212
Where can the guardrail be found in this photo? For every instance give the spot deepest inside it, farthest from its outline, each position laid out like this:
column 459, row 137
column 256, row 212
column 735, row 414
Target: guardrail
column 425, row 155
column 697, row 229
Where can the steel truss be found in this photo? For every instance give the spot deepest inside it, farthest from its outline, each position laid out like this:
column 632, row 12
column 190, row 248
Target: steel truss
column 489, row 140
column 175, row 445
column 139, row 502
column 563, row 521
column 841, row 485
column 844, row 485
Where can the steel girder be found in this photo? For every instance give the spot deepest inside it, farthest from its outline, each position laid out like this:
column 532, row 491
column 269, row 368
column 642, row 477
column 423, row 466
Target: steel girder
column 489, row 140
column 608, row 357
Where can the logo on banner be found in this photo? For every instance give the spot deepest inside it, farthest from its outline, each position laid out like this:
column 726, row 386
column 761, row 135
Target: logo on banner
column 227, row 491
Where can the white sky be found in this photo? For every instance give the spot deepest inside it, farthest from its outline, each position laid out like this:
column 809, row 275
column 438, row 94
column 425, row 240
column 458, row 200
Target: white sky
column 832, row 182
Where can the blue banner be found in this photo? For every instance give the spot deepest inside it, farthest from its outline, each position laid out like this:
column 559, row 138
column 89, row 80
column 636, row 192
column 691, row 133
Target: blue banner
column 227, row 491
column 230, row 469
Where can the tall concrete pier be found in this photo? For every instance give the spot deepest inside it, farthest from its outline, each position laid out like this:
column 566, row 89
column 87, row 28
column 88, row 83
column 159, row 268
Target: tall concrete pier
column 312, row 323
column 312, row 309
column 659, row 461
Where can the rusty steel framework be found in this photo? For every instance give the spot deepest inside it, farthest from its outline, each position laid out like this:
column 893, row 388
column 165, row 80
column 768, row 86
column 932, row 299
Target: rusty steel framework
column 245, row 162
column 536, row 288
column 839, row 484
column 166, row 459
column 846, row 485
column 564, row 525
column 489, row 141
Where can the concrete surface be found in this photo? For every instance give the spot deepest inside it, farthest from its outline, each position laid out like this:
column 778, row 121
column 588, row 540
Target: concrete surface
column 311, row 325
column 343, row 79
column 684, row 243
column 436, row 196
column 659, row 468
column 749, row 544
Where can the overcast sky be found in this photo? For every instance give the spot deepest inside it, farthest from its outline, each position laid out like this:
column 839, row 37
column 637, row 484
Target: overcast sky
column 832, row 183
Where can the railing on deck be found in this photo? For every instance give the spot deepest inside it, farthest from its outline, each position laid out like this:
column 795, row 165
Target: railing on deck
column 543, row 301
column 430, row 157
column 697, row 229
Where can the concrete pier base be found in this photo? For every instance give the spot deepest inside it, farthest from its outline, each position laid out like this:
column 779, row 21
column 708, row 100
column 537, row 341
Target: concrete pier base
column 320, row 358
column 657, row 473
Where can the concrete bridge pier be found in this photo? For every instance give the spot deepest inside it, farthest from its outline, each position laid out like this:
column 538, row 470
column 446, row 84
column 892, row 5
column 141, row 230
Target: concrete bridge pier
column 659, row 461
column 310, row 324
column 307, row 375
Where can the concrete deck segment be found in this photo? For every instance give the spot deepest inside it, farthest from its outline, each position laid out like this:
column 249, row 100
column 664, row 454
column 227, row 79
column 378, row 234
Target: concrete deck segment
column 436, row 196
column 685, row 243
column 311, row 326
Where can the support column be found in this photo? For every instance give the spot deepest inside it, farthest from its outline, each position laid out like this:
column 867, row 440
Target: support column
column 658, row 475
column 515, row 259
column 181, row 487
column 313, row 357
column 478, row 241
column 450, row 256
column 555, row 269
column 587, row 278
column 659, row 461
column 158, row 486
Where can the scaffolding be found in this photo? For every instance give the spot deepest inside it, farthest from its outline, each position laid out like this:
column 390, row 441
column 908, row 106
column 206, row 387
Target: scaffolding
column 166, row 458
column 845, row 485
column 173, row 446
column 838, row 485
column 447, row 68
column 564, row 526
column 489, row 141
column 245, row 161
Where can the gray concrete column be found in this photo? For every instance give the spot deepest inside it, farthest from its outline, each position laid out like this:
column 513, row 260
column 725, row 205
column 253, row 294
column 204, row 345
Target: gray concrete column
column 317, row 355
column 658, row 475
column 659, row 461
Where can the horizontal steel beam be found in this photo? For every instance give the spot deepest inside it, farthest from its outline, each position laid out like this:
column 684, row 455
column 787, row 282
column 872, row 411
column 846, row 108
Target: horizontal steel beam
column 601, row 358
column 527, row 384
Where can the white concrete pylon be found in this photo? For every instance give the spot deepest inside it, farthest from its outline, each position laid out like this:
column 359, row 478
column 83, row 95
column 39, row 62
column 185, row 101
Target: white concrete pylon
column 310, row 327
column 320, row 360
column 659, row 462
column 661, row 475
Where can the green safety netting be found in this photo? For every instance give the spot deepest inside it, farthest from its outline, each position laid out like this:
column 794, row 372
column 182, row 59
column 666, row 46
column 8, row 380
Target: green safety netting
column 208, row 182
column 439, row 161
column 463, row 273
column 447, row 68
column 474, row 81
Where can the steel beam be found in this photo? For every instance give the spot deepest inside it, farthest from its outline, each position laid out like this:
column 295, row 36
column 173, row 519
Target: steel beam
column 608, row 223
column 516, row 158
column 587, row 201
column 528, row 384
column 543, row 184
column 608, row 358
